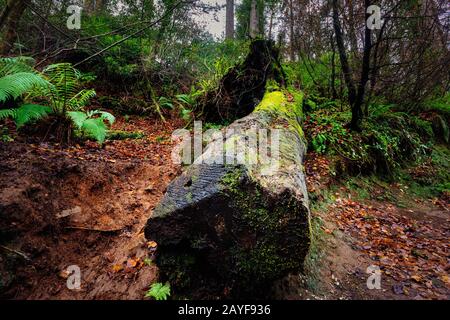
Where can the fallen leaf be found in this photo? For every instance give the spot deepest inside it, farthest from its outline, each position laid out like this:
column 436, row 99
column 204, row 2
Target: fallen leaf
column 131, row 263
column 117, row 267
column 152, row 244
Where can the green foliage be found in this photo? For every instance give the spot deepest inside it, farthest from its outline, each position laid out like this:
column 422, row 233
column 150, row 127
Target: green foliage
column 4, row 134
column 388, row 138
column 243, row 17
column 91, row 124
column 148, row 261
column 165, row 103
column 314, row 75
column 62, row 90
column 65, row 92
column 17, row 77
column 186, row 99
column 14, row 85
column 124, row 135
column 25, row 114
column 158, row 291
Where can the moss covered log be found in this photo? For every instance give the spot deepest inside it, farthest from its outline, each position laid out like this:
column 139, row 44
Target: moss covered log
column 227, row 230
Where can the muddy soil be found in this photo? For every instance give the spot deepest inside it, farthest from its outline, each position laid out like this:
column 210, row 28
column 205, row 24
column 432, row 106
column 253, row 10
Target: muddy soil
column 83, row 206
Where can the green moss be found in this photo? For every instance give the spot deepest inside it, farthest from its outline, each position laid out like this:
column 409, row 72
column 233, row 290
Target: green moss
column 176, row 268
column 247, row 197
column 262, row 262
column 261, row 258
column 189, row 197
column 290, row 111
column 123, row 135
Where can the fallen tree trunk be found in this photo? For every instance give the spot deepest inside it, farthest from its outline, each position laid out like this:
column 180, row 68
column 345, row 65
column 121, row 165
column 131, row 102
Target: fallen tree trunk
column 230, row 230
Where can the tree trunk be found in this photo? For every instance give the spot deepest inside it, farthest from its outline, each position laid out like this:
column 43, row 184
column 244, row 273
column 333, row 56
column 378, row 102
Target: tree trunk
column 233, row 229
column 88, row 6
column 10, row 19
column 254, row 21
column 291, row 31
column 6, row 12
column 343, row 55
column 333, row 70
column 272, row 13
column 229, row 28
column 357, row 114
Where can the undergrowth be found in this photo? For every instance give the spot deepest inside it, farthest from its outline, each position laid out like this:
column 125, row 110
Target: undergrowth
column 389, row 139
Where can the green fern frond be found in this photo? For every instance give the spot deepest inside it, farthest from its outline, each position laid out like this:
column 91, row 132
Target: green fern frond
column 158, row 291
column 95, row 128
column 64, row 92
column 103, row 115
column 77, row 117
column 30, row 112
column 65, row 84
column 7, row 113
column 16, row 65
column 13, row 86
column 26, row 113
column 81, row 99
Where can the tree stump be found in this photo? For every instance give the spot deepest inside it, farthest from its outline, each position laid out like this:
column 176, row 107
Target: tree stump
column 243, row 86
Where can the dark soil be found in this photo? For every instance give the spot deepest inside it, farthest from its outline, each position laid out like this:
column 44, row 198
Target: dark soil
column 85, row 206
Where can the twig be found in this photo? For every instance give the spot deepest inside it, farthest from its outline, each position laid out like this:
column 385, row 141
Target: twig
column 20, row 254
column 94, row 229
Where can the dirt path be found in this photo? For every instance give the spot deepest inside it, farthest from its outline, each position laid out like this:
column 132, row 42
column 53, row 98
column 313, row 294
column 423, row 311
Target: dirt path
column 81, row 206
column 409, row 246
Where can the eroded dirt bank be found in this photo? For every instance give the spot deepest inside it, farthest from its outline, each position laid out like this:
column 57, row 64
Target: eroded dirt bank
column 83, row 206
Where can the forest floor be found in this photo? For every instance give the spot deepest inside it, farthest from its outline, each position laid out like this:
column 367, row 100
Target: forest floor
column 87, row 206
column 365, row 223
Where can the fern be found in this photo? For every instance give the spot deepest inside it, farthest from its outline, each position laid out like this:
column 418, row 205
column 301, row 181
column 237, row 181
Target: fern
column 77, row 117
column 91, row 127
column 64, row 93
column 16, row 65
column 60, row 84
column 103, row 115
column 7, row 113
column 81, row 99
column 158, row 291
column 13, row 86
column 95, row 128
column 25, row 114
column 186, row 99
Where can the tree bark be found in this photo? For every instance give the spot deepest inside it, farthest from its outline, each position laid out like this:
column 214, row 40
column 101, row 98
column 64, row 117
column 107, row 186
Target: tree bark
column 10, row 19
column 291, row 31
column 272, row 13
column 254, row 29
column 346, row 70
column 229, row 29
column 357, row 114
column 333, row 70
column 234, row 229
